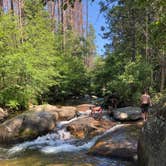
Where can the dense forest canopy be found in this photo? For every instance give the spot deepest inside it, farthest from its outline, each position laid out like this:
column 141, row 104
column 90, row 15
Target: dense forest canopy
column 47, row 54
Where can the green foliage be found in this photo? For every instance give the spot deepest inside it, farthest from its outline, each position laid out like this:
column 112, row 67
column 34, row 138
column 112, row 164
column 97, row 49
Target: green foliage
column 37, row 62
column 72, row 79
column 159, row 97
column 127, row 80
column 134, row 79
column 13, row 105
column 98, row 76
column 27, row 58
column 91, row 47
column 133, row 28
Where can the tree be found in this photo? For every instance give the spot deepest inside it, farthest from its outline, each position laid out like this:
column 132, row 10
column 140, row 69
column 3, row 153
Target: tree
column 1, row 4
column 72, row 79
column 27, row 57
column 33, row 64
column 132, row 29
column 91, row 47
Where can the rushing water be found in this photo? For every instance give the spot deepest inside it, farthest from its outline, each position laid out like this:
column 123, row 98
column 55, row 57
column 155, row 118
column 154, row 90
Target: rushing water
column 58, row 149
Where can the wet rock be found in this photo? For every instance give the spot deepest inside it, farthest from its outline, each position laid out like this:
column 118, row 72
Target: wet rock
column 127, row 113
column 60, row 113
column 152, row 141
column 120, row 143
column 26, row 126
column 88, row 127
column 66, row 112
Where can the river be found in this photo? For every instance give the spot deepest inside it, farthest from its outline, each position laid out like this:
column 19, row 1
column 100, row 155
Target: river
column 56, row 149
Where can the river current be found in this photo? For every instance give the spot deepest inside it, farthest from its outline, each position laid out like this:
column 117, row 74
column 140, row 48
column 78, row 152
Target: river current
column 56, row 149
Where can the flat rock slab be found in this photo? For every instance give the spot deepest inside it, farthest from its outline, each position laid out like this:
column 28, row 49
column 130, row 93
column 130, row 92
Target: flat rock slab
column 60, row 112
column 120, row 143
column 88, row 127
column 127, row 113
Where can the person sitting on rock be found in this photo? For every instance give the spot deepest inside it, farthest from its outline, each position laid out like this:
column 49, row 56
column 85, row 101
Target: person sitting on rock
column 96, row 109
column 112, row 104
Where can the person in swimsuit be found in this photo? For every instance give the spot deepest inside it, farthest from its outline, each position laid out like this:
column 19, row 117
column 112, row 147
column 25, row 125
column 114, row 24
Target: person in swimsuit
column 145, row 103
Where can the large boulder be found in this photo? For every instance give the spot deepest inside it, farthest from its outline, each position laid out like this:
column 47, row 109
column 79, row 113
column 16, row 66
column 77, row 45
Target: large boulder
column 26, row 126
column 3, row 114
column 60, row 112
column 127, row 113
column 88, row 127
column 121, row 142
column 66, row 112
column 152, row 141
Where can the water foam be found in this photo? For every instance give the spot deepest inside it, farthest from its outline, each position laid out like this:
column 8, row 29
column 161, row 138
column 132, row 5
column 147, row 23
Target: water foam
column 53, row 143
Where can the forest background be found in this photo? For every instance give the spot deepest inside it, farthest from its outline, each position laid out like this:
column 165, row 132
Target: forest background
column 45, row 59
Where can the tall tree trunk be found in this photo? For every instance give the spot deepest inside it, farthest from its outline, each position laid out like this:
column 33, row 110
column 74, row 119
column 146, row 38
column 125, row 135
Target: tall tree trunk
column 87, row 17
column 81, row 19
column 53, row 9
column 20, row 7
column 62, row 15
column 1, row 4
column 53, row 15
column 87, row 27
column 58, row 11
column 12, row 5
column 62, row 24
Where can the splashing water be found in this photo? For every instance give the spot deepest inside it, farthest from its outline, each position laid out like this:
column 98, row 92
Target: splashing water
column 56, row 143
column 62, row 123
column 62, row 146
column 63, row 134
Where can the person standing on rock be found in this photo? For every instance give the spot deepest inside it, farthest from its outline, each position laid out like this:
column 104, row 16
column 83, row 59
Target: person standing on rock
column 145, row 103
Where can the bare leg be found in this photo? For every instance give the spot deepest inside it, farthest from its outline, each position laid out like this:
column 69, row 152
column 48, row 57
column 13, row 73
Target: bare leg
column 146, row 116
column 143, row 116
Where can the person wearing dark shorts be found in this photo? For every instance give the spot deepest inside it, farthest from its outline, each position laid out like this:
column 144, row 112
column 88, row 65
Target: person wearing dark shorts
column 145, row 103
column 144, row 108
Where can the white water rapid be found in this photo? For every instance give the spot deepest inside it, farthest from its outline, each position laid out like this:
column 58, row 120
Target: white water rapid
column 61, row 141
